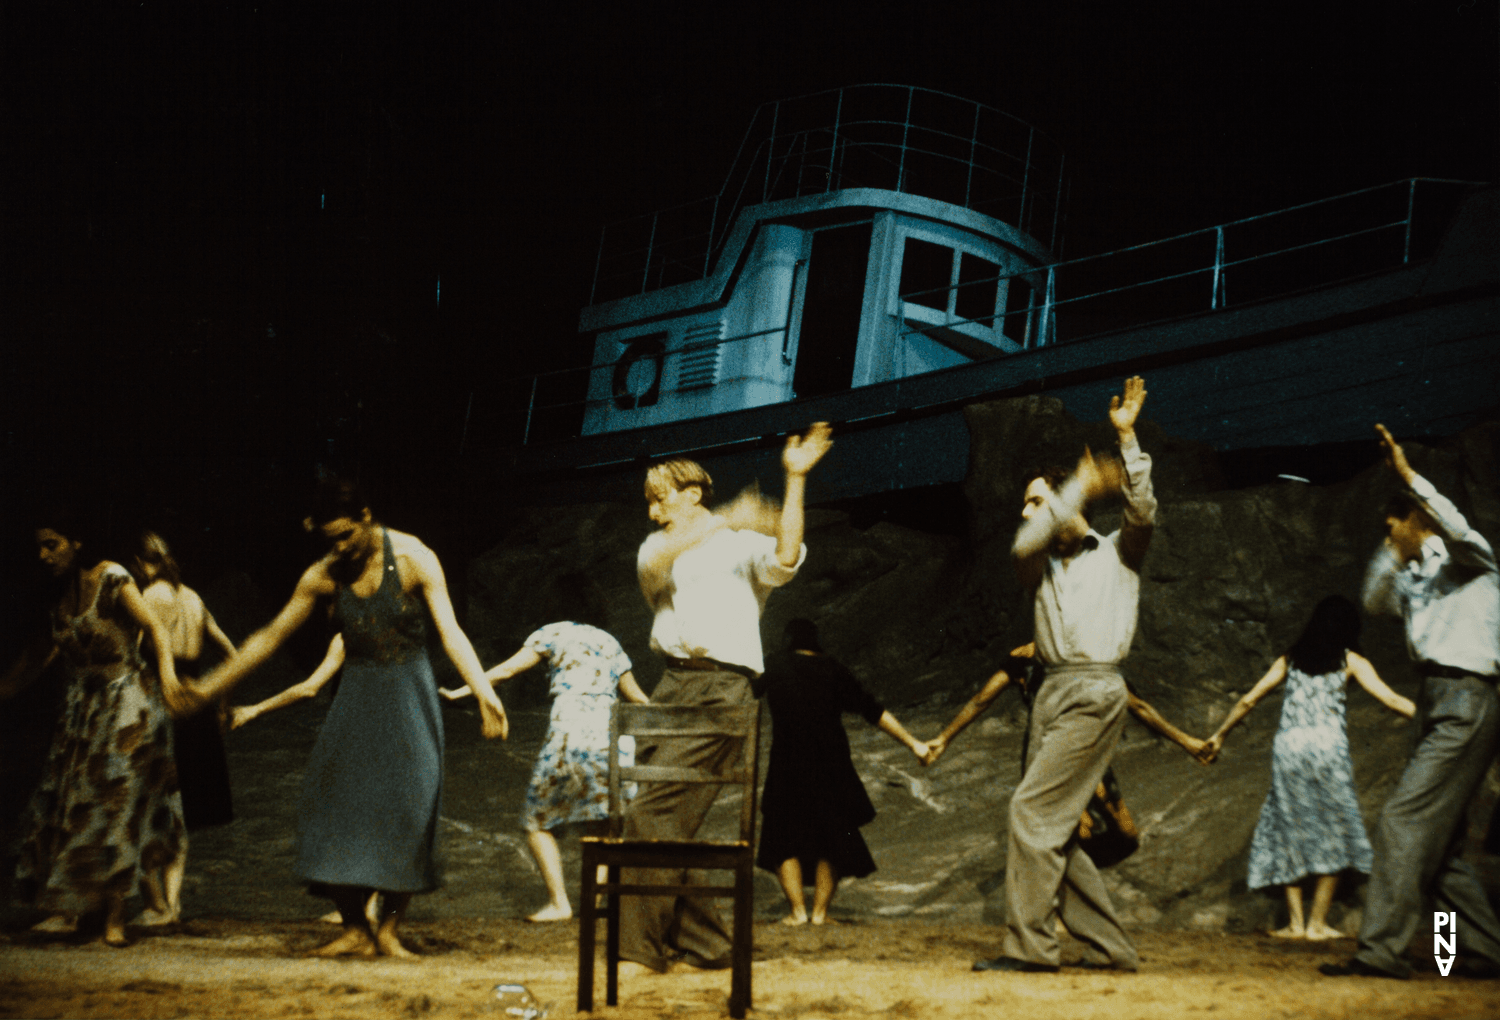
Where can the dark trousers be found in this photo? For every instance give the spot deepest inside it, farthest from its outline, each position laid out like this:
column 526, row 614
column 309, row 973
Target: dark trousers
column 1421, row 833
column 654, row 930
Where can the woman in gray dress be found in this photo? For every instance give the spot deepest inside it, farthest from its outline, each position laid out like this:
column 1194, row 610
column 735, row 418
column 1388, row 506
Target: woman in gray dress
column 370, row 799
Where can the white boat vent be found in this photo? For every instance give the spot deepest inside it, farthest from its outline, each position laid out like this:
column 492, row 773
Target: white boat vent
column 700, row 356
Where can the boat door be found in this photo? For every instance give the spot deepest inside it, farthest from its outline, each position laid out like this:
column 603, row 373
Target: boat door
column 831, row 309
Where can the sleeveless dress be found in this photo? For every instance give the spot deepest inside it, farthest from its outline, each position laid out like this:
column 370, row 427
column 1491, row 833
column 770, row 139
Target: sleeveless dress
column 1310, row 824
column 814, row 801
column 570, row 781
column 374, row 783
column 108, row 805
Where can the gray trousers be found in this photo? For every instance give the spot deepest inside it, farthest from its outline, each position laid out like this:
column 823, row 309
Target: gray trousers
column 1076, row 722
column 654, row 930
column 1421, row 833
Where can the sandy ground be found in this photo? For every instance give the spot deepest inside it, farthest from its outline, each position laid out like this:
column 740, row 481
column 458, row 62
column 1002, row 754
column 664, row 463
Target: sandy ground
column 230, row 968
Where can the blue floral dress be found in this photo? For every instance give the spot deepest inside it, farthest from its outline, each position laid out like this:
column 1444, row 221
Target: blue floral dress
column 570, row 782
column 1310, row 824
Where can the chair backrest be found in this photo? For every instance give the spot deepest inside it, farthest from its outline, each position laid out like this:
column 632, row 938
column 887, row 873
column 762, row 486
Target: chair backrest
column 657, row 724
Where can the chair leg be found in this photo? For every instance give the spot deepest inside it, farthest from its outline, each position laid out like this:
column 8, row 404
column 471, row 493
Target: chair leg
column 586, row 936
column 739, row 983
column 612, row 941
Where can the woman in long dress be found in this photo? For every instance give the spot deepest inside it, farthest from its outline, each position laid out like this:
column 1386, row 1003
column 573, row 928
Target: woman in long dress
column 370, row 799
column 814, row 801
column 586, row 669
column 1311, row 823
column 333, row 661
column 197, row 741
column 107, row 810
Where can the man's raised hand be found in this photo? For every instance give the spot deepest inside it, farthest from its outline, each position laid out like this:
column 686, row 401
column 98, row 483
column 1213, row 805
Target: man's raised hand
column 1394, row 455
column 1123, row 411
column 803, row 452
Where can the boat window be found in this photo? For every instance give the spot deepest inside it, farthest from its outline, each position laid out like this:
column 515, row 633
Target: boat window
column 926, row 273
column 978, row 282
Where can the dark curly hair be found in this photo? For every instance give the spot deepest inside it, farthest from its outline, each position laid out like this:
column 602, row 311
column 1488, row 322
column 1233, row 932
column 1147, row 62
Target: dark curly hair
column 337, row 497
column 1332, row 630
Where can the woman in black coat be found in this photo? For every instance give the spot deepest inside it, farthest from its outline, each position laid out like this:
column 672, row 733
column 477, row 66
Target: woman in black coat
column 814, row 802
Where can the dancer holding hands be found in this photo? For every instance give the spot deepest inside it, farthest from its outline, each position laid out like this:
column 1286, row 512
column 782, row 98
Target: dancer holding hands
column 368, row 817
column 107, row 813
column 587, row 670
column 814, row 802
column 1311, row 823
column 1085, row 590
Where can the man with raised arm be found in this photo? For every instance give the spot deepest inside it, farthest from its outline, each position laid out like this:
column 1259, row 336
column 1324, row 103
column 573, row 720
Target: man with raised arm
column 1439, row 575
column 1086, row 588
column 706, row 576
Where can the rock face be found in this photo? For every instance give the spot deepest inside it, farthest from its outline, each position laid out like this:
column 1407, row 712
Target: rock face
column 922, row 619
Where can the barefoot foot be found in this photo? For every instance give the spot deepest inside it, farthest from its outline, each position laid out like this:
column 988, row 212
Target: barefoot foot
column 332, row 917
column 390, row 945
column 1322, row 932
column 552, row 912
column 354, row 942
column 794, row 919
column 64, row 924
column 1289, row 932
column 153, row 918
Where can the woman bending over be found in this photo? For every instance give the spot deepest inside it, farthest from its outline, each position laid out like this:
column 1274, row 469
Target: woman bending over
column 586, row 669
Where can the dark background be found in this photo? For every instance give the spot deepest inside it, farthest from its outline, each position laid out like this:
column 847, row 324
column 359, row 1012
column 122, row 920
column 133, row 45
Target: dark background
column 225, row 224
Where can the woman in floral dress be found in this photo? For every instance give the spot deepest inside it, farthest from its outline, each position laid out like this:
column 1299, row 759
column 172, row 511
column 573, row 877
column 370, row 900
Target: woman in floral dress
column 1311, row 823
column 107, row 810
column 586, row 668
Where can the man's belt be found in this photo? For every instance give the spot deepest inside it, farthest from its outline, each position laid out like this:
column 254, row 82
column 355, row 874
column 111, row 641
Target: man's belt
column 705, row 664
column 672, row 662
column 1450, row 672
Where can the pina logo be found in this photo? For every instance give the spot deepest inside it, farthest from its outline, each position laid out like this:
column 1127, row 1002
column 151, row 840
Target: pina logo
column 1444, row 944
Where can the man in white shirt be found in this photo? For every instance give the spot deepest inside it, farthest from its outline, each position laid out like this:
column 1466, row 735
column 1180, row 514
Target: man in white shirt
column 1439, row 575
column 1087, row 588
column 707, row 582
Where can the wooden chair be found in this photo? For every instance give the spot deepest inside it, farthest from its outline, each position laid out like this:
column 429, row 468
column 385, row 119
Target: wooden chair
column 656, row 724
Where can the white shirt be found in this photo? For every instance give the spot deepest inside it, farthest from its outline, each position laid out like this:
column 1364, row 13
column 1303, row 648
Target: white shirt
column 717, row 591
column 1085, row 608
column 1449, row 595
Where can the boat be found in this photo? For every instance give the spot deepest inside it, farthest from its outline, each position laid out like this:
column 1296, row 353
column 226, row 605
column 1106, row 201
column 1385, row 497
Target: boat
column 880, row 256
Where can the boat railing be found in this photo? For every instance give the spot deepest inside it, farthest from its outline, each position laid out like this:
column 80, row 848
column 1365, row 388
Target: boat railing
column 891, row 137
column 1245, row 260
column 1231, row 264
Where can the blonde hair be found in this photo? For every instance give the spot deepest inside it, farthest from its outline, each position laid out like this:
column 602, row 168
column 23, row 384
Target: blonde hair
column 152, row 549
column 680, row 473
